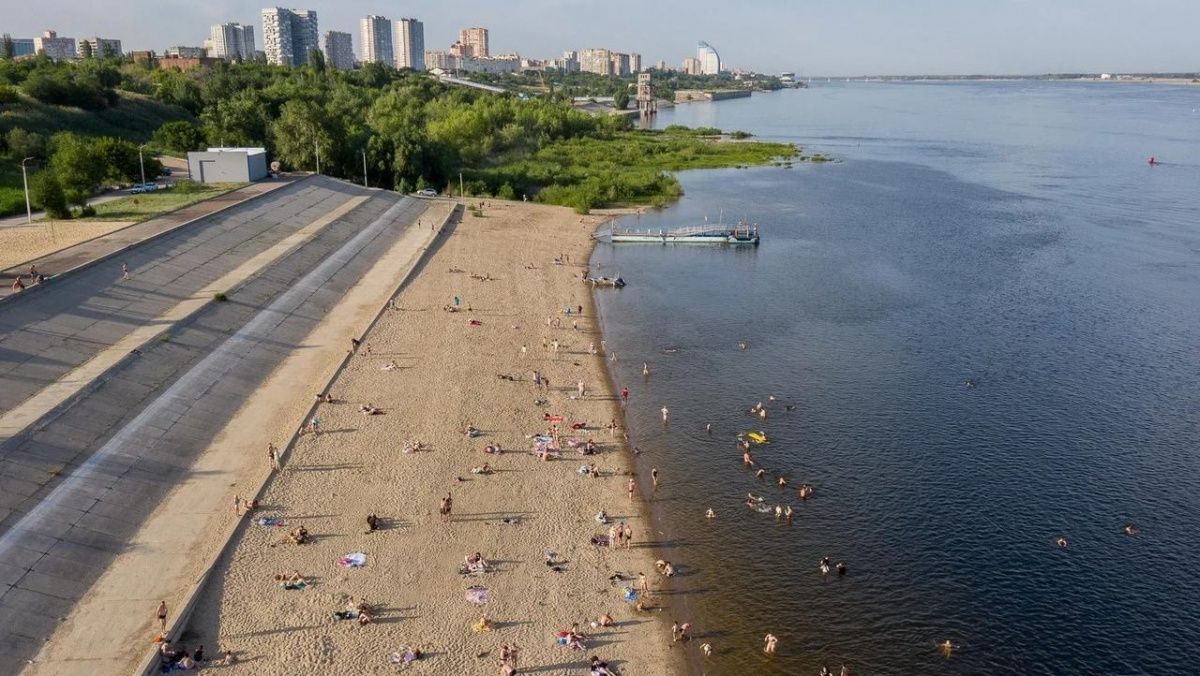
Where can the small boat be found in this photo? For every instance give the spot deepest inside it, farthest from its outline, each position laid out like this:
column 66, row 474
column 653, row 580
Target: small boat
column 606, row 282
column 757, row 437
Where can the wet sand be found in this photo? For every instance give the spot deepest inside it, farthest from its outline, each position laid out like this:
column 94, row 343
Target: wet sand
column 448, row 377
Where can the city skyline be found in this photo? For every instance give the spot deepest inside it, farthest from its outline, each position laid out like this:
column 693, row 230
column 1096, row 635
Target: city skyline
column 817, row 38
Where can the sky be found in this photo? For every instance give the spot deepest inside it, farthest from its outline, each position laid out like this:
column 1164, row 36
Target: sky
column 809, row 37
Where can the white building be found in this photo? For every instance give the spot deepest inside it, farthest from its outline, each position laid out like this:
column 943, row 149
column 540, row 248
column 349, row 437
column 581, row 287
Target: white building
column 53, row 46
column 101, row 47
column 232, row 41
column 710, row 61
column 409, row 44
column 375, row 38
column 289, row 35
column 598, row 61
column 339, row 51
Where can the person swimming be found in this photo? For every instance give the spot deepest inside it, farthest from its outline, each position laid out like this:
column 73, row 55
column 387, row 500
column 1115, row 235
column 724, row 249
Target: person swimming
column 710, row 514
column 841, row 567
column 1129, row 529
column 1061, row 542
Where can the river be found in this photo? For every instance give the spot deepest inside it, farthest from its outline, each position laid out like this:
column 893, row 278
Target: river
column 984, row 319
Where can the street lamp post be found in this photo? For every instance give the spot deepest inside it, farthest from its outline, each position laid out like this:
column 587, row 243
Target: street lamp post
column 142, row 164
column 25, row 180
column 364, row 153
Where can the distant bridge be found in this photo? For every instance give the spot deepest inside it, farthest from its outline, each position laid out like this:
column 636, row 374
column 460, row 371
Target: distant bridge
column 467, row 83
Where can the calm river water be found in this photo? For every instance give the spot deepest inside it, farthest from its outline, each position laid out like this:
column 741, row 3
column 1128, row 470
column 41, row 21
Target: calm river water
column 1008, row 234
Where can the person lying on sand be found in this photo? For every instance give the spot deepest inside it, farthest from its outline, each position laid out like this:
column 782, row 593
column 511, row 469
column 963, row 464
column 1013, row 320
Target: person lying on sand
column 390, row 366
column 605, row 620
column 485, row 469
column 294, row 577
column 484, row 624
column 369, row 409
column 299, row 536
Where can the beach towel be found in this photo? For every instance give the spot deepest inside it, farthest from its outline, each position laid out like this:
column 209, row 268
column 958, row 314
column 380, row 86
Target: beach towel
column 476, row 322
column 630, row 594
column 600, row 540
column 402, row 656
column 293, row 585
column 353, row 560
column 269, row 521
column 478, row 595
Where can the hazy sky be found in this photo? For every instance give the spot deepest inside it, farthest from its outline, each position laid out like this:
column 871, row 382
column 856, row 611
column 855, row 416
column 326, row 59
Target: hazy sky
column 815, row 37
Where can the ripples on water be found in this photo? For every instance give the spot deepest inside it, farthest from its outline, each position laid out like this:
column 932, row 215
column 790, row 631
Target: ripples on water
column 1010, row 234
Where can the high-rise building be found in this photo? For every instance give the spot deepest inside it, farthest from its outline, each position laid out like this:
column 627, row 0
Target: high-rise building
column 635, row 63
column 232, row 41
column 660, row 65
column 339, row 52
column 51, row 45
column 21, row 46
column 101, row 47
column 289, row 35
column 691, row 66
column 375, row 38
column 409, row 42
column 598, row 61
column 710, row 61
column 476, row 40
column 620, row 63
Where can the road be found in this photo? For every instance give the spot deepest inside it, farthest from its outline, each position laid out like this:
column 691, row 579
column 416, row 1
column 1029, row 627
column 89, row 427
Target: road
column 79, row 480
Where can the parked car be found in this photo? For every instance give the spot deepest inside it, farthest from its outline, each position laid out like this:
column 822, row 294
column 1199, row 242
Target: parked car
column 143, row 187
column 166, row 171
column 427, row 192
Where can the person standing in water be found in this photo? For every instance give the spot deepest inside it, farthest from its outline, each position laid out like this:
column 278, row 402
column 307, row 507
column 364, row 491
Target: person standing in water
column 654, row 476
column 770, row 640
column 664, row 414
column 645, row 368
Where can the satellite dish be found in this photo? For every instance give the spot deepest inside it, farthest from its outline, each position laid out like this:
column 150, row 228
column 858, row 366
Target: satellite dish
column 275, row 167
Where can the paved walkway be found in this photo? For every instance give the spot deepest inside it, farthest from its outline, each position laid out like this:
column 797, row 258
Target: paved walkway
column 73, row 492
column 109, row 630
column 91, row 250
column 46, row 333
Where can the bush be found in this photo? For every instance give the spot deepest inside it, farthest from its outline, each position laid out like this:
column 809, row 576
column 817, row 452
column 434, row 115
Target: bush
column 8, row 94
column 24, row 143
column 506, row 192
column 220, row 297
column 48, row 194
column 87, row 211
column 179, row 136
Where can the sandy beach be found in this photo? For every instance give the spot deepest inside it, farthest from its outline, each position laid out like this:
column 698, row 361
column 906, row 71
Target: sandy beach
column 22, row 243
column 433, row 373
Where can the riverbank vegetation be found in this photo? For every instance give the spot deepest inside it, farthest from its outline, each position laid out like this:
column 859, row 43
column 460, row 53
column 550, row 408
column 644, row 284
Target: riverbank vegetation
column 568, row 86
column 411, row 131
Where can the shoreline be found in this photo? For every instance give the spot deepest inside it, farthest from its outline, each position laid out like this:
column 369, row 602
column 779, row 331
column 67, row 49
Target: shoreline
column 685, row 661
column 445, row 380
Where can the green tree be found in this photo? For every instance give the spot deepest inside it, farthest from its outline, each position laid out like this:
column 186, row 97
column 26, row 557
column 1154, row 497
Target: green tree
column 8, row 94
column 298, row 134
column 180, row 136
column 24, row 143
column 85, row 49
column 621, row 99
column 8, row 51
column 47, row 193
column 506, row 192
column 77, row 166
column 122, row 162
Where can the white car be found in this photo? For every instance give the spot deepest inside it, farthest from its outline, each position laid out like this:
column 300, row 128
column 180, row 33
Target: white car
column 427, row 192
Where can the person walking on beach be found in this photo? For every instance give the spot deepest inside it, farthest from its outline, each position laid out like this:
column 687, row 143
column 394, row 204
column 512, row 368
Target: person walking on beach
column 624, row 395
column 646, row 369
column 627, row 535
column 537, row 380
column 643, row 584
column 579, row 388
column 654, row 476
column 161, row 614
column 524, row 351
column 630, row 486
column 447, row 504
column 125, row 271
column 770, row 640
column 273, row 456
column 314, row 426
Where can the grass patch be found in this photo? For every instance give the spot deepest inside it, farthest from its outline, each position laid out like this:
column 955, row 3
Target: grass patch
column 148, row 205
column 134, row 117
column 220, row 297
column 12, row 193
column 625, row 168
